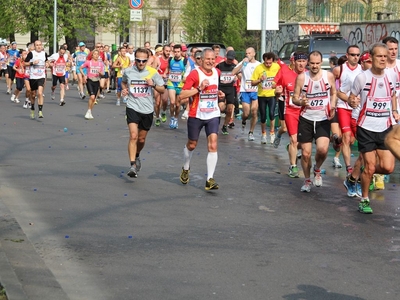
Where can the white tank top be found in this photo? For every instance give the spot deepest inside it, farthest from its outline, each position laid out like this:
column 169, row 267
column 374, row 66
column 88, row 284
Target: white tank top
column 38, row 71
column 376, row 102
column 208, row 99
column 319, row 97
column 350, row 74
column 395, row 73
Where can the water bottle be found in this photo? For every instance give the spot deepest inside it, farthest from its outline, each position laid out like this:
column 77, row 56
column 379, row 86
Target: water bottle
column 245, row 63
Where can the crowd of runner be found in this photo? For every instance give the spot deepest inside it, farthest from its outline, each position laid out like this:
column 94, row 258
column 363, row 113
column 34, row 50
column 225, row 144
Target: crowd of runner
column 357, row 99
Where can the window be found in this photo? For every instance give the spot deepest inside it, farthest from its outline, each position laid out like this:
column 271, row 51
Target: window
column 163, row 31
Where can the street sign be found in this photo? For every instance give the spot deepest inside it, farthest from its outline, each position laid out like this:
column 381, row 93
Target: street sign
column 136, row 15
column 136, row 4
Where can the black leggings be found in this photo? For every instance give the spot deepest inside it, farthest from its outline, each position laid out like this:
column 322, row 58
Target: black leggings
column 262, row 108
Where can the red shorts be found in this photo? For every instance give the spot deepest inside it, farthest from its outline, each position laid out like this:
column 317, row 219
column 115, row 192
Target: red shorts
column 344, row 117
column 292, row 121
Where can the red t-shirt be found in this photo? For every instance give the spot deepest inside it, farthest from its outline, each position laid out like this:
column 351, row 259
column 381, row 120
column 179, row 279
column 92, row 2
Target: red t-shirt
column 286, row 77
column 21, row 67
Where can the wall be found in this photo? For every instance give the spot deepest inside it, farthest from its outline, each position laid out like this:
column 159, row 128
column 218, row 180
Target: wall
column 365, row 34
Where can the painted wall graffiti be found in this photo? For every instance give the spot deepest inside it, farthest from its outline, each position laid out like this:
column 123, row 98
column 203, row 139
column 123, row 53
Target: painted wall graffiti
column 319, row 28
column 364, row 35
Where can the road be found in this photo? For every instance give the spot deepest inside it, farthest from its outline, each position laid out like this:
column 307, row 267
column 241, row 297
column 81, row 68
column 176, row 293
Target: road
column 74, row 226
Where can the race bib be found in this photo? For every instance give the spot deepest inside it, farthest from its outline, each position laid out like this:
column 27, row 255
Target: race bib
column 139, row 88
column 94, row 71
column 175, row 76
column 226, row 77
column 81, row 57
column 378, row 107
column 208, row 102
column 249, row 88
column 267, row 84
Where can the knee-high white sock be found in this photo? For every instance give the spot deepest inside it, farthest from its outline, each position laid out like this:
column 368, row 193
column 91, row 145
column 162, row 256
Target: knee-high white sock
column 212, row 159
column 187, row 156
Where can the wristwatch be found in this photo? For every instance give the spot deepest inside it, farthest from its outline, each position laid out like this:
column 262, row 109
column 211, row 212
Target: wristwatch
column 198, row 89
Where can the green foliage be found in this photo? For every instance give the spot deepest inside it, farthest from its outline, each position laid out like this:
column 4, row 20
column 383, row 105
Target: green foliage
column 218, row 21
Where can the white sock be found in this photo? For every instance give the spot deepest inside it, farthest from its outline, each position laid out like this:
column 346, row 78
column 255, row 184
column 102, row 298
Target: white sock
column 187, row 156
column 212, row 159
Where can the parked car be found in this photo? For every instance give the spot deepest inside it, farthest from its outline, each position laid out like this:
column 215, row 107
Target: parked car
column 327, row 44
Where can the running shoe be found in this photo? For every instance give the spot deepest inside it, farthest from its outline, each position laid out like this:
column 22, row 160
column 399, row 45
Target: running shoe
column 336, row 163
column 158, row 122
column 83, row 96
column 185, row 115
column 358, row 189
column 95, row 102
column 298, row 154
column 176, row 123
column 118, row 103
column 306, row 186
column 8, row 91
column 16, row 100
column 67, row 87
column 351, row 188
column 272, row 138
column 293, row 172
column 25, row 104
column 12, row 98
column 40, row 114
column 224, row 130
column 250, row 136
column 277, row 141
column 32, row 115
column 53, row 96
column 132, row 172
column 231, row 124
column 62, row 102
column 138, row 164
column 163, row 117
column 88, row 115
column 184, row 178
column 317, row 178
column 108, row 91
column 264, row 139
column 171, row 123
column 211, row 185
column 364, row 207
column 101, row 95
column 243, row 125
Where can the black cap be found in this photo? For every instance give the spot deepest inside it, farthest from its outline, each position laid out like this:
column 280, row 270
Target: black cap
column 230, row 54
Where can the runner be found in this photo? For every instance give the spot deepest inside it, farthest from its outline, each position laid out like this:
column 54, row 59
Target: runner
column 263, row 77
column 138, row 83
column 94, row 70
column 162, row 99
column 248, row 92
column 226, row 84
column 80, row 57
column 176, row 70
column 378, row 108
column 3, row 62
column 37, row 60
column 315, row 92
column 122, row 62
column 58, row 62
column 285, row 82
column 202, row 85
column 19, row 68
column 12, row 56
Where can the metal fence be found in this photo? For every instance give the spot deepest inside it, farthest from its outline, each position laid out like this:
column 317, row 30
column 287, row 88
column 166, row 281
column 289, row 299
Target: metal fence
column 342, row 11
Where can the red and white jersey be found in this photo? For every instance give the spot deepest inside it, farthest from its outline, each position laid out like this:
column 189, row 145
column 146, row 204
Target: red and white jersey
column 347, row 73
column 163, row 67
column 59, row 64
column 286, row 77
column 319, row 97
column 395, row 73
column 376, row 100
column 205, row 104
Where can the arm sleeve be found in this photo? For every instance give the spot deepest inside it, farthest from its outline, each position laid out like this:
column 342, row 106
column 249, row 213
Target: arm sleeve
column 29, row 57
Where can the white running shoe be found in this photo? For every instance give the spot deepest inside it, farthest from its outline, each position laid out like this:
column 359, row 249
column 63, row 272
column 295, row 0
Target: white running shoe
column 118, row 103
column 53, row 96
column 25, row 104
column 185, row 115
column 317, row 179
column 88, row 115
column 306, row 187
column 272, row 137
column 250, row 136
column 264, row 139
column 336, row 163
column 16, row 100
column 12, row 98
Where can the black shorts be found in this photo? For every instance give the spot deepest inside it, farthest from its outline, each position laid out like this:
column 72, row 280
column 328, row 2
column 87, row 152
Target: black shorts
column 144, row 121
column 194, row 126
column 61, row 79
column 3, row 72
column 105, row 76
column 92, row 87
column 11, row 72
column 35, row 83
column 230, row 94
column 20, row 83
column 335, row 118
column 310, row 130
column 281, row 109
column 369, row 141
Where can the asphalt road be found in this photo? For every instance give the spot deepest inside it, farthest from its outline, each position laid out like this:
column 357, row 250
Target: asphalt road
column 74, row 226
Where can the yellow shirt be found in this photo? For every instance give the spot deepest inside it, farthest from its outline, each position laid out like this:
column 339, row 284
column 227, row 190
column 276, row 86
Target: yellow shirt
column 125, row 64
column 265, row 87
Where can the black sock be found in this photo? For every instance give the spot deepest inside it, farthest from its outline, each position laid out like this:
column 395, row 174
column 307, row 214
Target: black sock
column 132, row 163
column 352, row 179
column 32, row 106
column 40, row 107
column 137, row 155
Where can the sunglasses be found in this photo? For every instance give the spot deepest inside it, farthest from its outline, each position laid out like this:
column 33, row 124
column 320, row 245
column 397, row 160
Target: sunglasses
column 198, row 57
column 142, row 61
column 355, row 54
